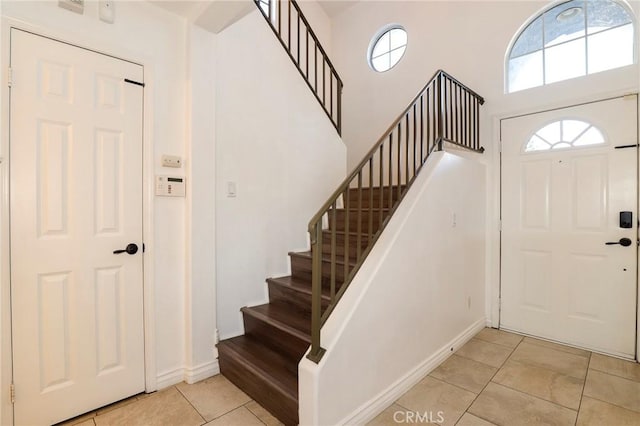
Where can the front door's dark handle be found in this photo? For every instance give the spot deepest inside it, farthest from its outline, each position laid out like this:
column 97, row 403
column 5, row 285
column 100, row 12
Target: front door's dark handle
column 131, row 249
column 625, row 242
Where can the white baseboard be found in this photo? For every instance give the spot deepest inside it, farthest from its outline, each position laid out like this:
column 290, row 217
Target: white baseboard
column 369, row 410
column 189, row 375
column 201, row 372
column 170, row 378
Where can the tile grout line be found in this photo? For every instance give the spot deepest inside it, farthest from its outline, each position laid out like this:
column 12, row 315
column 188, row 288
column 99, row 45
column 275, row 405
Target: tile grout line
column 613, row 374
column 450, row 384
column 533, row 341
column 192, row 406
column 534, row 396
column 583, row 387
column 447, row 383
column 490, row 381
column 544, row 368
column 602, row 400
column 527, row 363
column 500, row 344
column 254, row 414
column 484, row 341
column 93, row 414
column 511, row 350
column 612, row 404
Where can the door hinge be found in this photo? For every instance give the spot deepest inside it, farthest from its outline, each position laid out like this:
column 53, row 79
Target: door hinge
column 12, row 391
column 9, row 76
column 500, row 225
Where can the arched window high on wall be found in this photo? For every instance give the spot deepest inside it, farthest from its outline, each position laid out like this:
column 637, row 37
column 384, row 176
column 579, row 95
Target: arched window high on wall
column 571, row 39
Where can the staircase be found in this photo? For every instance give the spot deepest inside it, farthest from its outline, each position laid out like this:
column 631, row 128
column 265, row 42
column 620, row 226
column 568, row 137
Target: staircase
column 264, row 361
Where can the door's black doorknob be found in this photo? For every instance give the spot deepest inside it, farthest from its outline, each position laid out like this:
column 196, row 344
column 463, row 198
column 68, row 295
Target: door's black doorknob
column 131, row 249
column 625, row 242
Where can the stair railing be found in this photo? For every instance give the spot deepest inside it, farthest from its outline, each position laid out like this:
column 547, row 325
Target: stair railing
column 445, row 111
column 303, row 47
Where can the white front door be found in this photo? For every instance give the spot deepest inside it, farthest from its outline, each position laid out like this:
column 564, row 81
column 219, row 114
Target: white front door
column 564, row 184
column 76, row 197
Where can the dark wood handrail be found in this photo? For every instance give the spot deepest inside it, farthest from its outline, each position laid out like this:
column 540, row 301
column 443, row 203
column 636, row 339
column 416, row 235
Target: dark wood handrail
column 444, row 111
column 328, row 94
column 376, row 146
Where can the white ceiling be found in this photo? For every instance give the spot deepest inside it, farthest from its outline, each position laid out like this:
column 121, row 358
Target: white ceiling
column 212, row 15
column 183, row 8
column 336, row 7
column 215, row 15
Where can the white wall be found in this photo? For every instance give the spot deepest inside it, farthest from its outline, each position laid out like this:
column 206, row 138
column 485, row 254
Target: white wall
column 468, row 39
column 320, row 23
column 275, row 142
column 178, row 60
column 200, row 301
column 6, row 408
column 423, row 272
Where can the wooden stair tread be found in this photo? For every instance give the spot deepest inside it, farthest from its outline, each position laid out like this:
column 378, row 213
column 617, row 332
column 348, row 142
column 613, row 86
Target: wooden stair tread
column 263, row 374
column 364, row 209
column 325, row 257
column 264, row 362
column 341, row 233
column 299, row 285
column 283, row 317
column 377, row 188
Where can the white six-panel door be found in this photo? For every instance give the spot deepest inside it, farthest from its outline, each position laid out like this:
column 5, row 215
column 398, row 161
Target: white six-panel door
column 559, row 280
column 76, row 197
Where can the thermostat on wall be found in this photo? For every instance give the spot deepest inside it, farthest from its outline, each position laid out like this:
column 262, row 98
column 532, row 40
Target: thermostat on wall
column 170, row 186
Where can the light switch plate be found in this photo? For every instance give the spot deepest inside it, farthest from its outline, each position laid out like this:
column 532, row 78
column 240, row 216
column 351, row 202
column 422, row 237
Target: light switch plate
column 231, row 189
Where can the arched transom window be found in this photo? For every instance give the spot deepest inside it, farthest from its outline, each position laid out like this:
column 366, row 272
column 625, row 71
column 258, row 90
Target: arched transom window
column 564, row 134
column 571, row 39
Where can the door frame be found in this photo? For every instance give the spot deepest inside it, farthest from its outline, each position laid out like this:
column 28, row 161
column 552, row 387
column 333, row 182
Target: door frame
column 110, row 49
column 495, row 233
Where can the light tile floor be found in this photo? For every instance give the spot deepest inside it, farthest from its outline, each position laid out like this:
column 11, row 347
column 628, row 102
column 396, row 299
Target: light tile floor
column 214, row 401
column 501, row 378
column 497, row 378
